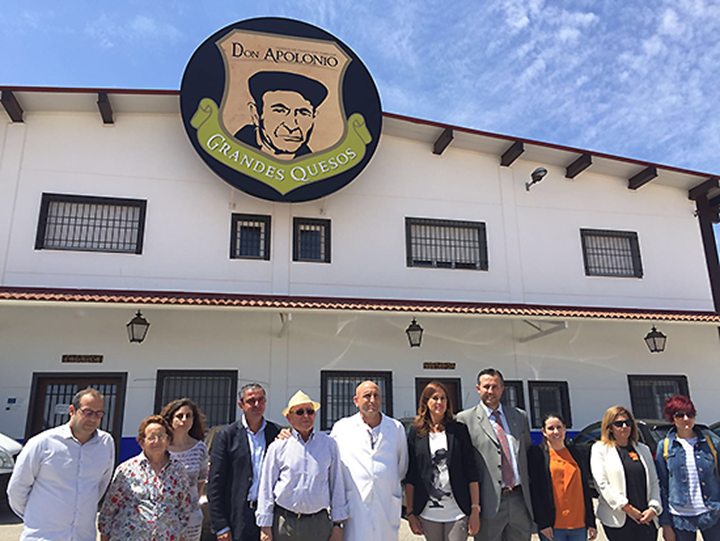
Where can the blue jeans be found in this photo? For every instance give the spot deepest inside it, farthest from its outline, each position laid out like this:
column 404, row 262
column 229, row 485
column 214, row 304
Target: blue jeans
column 559, row 534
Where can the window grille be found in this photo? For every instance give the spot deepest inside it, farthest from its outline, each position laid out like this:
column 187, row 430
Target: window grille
column 648, row 394
column 513, row 395
column 446, row 244
column 90, row 224
column 549, row 397
column 214, row 391
column 250, row 237
column 611, row 253
column 311, row 240
column 337, row 390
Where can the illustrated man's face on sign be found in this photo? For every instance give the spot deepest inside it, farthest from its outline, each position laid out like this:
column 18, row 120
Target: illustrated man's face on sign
column 285, row 121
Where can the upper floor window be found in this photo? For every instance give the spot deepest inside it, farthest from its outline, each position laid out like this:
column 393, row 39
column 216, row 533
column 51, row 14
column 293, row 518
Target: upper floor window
column 446, row 244
column 513, row 395
column 311, row 240
column 648, row 394
column 90, row 224
column 611, row 253
column 250, row 237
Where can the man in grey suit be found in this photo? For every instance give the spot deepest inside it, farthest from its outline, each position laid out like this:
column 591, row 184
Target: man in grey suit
column 501, row 437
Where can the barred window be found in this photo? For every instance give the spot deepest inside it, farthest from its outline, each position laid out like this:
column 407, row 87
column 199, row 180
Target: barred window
column 337, row 390
column 611, row 253
column 513, row 395
column 648, row 394
column 250, row 237
column 446, row 244
column 549, row 397
column 311, row 240
column 214, row 392
column 90, row 224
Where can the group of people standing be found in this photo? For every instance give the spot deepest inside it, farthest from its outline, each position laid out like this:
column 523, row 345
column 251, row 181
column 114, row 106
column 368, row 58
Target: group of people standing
column 475, row 473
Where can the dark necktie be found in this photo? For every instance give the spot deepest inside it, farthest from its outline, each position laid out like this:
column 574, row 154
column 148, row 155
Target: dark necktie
column 508, row 476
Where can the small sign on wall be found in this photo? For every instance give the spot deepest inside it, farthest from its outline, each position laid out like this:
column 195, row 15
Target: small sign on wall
column 438, row 365
column 82, row 358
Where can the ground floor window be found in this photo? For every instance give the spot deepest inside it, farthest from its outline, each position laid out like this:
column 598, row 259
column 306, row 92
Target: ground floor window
column 648, row 394
column 337, row 390
column 513, row 396
column 214, row 391
column 549, row 397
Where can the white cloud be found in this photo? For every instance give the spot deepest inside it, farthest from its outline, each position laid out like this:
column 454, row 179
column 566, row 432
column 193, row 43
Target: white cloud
column 109, row 33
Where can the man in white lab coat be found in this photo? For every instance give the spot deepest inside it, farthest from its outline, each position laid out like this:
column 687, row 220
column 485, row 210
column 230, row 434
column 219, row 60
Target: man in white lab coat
column 373, row 451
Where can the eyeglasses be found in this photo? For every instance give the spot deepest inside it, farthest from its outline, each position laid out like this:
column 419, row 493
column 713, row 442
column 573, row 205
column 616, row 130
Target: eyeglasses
column 302, row 412
column 88, row 413
column 183, row 416
column 624, row 422
column 153, row 439
column 682, row 415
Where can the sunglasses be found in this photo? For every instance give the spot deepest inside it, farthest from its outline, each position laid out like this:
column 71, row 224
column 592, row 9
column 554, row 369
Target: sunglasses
column 302, row 412
column 682, row 415
column 88, row 413
column 624, row 422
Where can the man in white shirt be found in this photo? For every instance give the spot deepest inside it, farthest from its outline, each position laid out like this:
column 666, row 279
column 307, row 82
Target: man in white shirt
column 373, row 450
column 302, row 495
column 62, row 473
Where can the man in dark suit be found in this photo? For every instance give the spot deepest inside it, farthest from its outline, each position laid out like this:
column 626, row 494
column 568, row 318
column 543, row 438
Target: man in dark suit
column 501, row 437
column 236, row 458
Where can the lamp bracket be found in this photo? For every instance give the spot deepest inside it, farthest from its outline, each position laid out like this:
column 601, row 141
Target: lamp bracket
column 551, row 327
column 285, row 319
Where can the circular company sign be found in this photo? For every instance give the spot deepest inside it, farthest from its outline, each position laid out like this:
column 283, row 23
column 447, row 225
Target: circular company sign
column 280, row 109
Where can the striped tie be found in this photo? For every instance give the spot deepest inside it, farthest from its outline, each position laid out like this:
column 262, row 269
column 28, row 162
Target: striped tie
column 508, row 475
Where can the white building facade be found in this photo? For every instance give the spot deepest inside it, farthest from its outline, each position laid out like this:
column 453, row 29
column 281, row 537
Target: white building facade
column 556, row 286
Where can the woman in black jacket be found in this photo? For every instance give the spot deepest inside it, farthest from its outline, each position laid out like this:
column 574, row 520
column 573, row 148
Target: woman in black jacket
column 559, row 486
column 442, row 485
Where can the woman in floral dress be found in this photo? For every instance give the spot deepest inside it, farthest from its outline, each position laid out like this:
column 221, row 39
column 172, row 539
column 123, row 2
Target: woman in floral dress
column 149, row 497
column 188, row 447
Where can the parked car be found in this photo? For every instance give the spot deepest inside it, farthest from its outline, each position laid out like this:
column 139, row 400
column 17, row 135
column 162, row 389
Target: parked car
column 9, row 450
column 650, row 432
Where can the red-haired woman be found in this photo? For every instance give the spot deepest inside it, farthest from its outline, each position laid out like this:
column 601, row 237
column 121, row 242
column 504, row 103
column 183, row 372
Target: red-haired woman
column 687, row 466
column 442, row 484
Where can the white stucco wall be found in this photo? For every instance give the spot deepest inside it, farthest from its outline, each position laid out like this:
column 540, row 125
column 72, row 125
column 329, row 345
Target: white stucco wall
column 533, row 237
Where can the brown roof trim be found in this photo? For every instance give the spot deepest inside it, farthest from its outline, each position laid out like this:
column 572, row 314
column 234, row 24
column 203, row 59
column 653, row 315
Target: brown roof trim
column 161, row 92
column 278, row 302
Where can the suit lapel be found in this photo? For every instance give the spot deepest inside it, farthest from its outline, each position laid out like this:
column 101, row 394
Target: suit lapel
column 450, row 433
column 486, row 425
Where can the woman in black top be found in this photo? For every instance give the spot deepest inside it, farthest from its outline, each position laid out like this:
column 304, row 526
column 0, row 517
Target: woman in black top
column 626, row 480
column 442, row 485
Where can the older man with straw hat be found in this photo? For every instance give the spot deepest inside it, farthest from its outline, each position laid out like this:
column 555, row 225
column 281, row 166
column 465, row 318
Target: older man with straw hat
column 302, row 494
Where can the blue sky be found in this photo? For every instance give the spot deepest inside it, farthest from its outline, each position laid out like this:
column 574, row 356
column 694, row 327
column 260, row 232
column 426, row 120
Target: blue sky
column 632, row 78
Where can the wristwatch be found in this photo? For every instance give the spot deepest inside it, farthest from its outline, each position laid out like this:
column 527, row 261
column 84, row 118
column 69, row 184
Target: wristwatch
column 338, row 525
column 476, row 506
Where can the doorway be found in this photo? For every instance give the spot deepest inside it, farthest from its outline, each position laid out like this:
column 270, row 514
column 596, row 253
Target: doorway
column 52, row 393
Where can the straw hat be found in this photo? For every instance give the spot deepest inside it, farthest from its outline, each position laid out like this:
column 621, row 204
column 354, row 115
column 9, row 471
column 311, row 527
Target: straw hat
column 300, row 398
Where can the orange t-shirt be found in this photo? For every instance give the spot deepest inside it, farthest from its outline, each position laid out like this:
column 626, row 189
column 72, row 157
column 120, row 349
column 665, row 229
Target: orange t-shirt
column 567, row 490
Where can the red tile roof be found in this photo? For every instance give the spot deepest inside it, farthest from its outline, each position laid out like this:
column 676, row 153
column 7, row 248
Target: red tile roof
column 281, row 302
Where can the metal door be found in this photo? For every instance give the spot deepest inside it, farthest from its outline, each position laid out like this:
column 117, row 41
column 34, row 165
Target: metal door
column 52, row 393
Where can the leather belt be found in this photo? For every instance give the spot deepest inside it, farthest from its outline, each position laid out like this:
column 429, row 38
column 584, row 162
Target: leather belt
column 287, row 513
column 506, row 490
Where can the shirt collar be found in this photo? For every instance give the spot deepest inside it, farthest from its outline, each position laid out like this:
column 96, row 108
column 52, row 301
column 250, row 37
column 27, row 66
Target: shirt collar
column 299, row 437
column 489, row 412
column 247, row 427
column 66, row 432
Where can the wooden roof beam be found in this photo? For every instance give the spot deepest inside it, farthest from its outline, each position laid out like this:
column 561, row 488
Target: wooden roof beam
column 642, row 178
column 578, row 166
column 703, row 188
column 105, row 108
column 512, row 153
column 11, row 105
column 443, row 141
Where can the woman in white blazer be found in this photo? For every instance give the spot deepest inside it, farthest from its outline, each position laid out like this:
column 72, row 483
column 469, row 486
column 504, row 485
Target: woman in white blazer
column 626, row 480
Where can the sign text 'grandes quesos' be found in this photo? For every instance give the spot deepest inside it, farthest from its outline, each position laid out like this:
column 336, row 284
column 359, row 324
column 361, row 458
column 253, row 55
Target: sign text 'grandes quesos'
column 280, row 109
